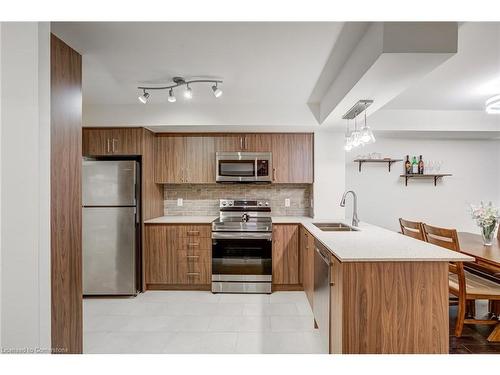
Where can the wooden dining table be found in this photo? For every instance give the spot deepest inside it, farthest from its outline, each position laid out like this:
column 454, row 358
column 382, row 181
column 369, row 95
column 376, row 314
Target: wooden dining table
column 486, row 262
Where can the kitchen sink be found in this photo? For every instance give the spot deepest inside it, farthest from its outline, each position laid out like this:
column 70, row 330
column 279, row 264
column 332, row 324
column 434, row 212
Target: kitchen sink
column 335, row 227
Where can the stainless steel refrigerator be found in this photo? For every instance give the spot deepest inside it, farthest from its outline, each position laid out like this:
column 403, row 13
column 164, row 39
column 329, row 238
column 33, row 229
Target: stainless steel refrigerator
column 110, row 219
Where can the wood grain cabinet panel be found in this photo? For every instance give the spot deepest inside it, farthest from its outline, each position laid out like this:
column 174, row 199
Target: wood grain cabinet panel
column 185, row 159
column 199, row 160
column 293, row 158
column 177, row 255
column 112, row 141
column 160, row 254
column 169, row 160
column 285, row 254
column 126, row 141
column 307, row 263
column 257, row 142
column 230, row 142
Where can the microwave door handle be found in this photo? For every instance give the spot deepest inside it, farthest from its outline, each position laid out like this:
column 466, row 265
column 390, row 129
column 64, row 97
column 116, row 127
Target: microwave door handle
column 256, row 168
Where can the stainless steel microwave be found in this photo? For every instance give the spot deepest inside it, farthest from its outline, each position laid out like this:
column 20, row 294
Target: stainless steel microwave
column 244, row 166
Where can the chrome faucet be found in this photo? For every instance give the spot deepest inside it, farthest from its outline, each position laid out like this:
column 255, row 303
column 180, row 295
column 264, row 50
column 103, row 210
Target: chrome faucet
column 355, row 220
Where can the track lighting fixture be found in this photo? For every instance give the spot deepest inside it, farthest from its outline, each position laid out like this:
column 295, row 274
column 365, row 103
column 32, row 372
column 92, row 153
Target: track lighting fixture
column 171, row 96
column 144, row 98
column 179, row 81
column 217, row 91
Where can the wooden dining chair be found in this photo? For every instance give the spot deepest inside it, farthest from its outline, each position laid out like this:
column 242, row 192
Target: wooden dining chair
column 412, row 229
column 463, row 284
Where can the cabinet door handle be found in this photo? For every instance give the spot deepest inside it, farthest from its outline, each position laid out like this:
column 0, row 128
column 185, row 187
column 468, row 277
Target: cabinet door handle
column 193, row 273
column 193, row 232
column 241, row 143
column 113, row 143
column 107, row 141
column 192, row 256
column 274, row 174
column 193, row 244
column 245, row 143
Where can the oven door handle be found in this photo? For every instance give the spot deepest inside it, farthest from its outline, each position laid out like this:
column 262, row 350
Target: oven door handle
column 242, row 236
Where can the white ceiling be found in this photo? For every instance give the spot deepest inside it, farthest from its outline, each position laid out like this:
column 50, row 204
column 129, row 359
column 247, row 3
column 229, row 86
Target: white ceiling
column 259, row 62
column 466, row 80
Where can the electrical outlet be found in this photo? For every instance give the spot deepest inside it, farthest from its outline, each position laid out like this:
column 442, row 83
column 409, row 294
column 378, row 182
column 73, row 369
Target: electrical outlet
column 287, row 202
column 180, row 202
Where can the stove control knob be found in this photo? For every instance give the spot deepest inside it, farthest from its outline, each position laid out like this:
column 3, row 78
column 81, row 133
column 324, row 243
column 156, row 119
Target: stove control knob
column 224, row 203
column 267, row 203
column 259, row 204
column 230, row 203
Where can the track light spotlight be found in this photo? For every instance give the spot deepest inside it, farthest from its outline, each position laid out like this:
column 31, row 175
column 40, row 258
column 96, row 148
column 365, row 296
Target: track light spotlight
column 171, row 96
column 188, row 94
column 217, row 91
column 144, row 98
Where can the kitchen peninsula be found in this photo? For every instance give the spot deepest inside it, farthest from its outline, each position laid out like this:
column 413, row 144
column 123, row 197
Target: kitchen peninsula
column 388, row 292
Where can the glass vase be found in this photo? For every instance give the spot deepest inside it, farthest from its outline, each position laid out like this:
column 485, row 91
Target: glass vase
column 488, row 233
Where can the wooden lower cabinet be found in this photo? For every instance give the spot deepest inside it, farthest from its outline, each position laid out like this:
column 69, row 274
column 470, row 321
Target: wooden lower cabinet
column 177, row 255
column 286, row 260
column 389, row 308
column 307, row 263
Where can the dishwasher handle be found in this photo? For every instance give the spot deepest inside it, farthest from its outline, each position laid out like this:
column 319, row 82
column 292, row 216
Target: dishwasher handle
column 325, row 258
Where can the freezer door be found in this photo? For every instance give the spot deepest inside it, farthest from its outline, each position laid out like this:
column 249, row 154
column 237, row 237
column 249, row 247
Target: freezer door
column 109, row 253
column 108, row 182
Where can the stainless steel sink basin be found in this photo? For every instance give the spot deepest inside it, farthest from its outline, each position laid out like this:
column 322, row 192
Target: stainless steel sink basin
column 335, row 227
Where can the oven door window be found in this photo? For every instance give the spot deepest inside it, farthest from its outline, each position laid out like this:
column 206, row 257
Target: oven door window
column 237, row 168
column 241, row 257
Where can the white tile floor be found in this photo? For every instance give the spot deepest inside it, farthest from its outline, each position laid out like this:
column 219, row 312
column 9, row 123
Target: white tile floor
column 200, row 322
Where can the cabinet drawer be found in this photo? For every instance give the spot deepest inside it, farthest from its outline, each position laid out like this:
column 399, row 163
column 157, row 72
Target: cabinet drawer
column 194, row 243
column 204, row 231
column 193, row 272
column 203, row 256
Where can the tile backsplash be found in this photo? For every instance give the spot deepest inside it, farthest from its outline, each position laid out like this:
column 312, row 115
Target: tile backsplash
column 199, row 200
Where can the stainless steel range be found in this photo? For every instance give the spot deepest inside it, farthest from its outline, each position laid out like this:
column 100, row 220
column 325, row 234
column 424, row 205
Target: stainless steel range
column 242, row 247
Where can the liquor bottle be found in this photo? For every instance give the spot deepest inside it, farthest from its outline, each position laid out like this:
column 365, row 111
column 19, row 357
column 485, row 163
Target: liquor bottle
column 407, row 165
column 420, row 165
column 414, row 165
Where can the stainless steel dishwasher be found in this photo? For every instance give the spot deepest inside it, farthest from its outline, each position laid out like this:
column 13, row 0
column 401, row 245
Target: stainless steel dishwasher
column 321, row 305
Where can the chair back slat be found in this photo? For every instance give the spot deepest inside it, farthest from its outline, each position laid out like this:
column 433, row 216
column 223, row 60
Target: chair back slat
column 443, row 237
column 412, row 229
column 448, row 238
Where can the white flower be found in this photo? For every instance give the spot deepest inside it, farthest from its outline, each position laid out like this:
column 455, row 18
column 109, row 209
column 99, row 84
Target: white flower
column 485, row 215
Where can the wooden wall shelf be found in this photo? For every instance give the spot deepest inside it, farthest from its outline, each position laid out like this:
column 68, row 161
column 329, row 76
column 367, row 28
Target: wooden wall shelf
column 388, row 161
column 424, row 176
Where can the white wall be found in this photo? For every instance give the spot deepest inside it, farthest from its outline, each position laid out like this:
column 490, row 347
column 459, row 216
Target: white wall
column 329, row 174
column 25, row 186
column 383, row 197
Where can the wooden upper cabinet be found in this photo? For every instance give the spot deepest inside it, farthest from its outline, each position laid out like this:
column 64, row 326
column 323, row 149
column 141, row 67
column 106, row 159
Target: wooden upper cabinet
column 286, row 261
column 169, row 160
column 199, row 160
column 126, row 141
column 185, row 159
column 228, row 143
column 293, row 158
column 257, row 142
column 112, row 141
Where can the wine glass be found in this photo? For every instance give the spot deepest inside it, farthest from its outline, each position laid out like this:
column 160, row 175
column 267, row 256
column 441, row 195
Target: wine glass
column 437, row 165
column 429, row 167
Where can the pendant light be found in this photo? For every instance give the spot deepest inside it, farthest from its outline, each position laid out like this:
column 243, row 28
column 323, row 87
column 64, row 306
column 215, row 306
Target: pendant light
column 348, row 139
column 171, row 96
column 367, row 136
column 356, row 135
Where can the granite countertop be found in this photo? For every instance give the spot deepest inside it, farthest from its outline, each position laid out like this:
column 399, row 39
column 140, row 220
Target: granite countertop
column 369, row 244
